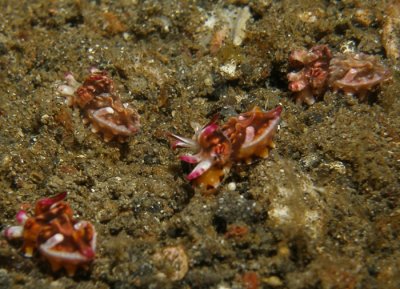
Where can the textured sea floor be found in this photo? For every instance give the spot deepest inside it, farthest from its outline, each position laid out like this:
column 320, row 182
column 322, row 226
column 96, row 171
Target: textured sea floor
column 321, row 212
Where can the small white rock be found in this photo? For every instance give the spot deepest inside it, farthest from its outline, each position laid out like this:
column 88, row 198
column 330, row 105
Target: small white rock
column 232, row 186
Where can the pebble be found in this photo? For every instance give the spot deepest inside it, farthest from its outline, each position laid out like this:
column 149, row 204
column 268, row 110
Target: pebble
column 232, row 186
column 273, row 281
column 5, row 281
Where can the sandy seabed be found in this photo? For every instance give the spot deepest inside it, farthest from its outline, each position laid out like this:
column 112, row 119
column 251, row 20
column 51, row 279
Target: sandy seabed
column 322, row 211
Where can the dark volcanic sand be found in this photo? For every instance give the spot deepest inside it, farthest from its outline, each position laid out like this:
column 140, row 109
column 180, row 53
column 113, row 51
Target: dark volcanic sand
column 321, row 212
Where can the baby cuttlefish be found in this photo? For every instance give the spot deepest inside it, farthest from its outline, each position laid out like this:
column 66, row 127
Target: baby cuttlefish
column 217, row 148
column 63, row 241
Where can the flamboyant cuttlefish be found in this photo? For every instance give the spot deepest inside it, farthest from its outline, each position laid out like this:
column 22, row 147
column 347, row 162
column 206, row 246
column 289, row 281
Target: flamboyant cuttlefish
column 60, row 239
column 318, row 69
column 357, row 74
column 217, row 148
column 310, row 78
column 101, row 106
